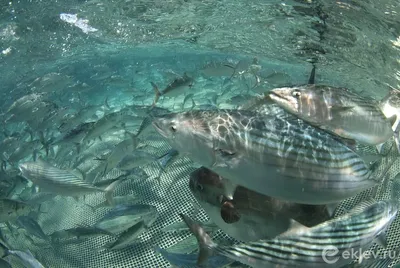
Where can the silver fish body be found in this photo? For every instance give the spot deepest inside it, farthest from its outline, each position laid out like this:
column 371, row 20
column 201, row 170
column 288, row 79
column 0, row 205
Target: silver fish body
column 136, row 159
column 279, row 156
column 250, row 216
column 52, row 179
column 309, row 247
column 337, row 110
column 128, row 237
column 123, row 217
column 31, row 226
column 26, row 258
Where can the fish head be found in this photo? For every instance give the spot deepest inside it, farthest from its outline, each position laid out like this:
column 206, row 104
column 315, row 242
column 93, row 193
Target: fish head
column 392, row 209
column 189, row 133
column 206, row 186
column 302, row 101
column 24, row 168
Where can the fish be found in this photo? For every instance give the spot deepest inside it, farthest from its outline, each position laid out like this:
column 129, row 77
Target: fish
column 287, row 158
column 25, row 103
column 75, row 135
column 135, row 159
column 337, row 110
column 168, row 158
column 78, row 233
column 123, row 217
column 247, row 215
column 32, row 227
column 61, row 182
column 118, row 200
column 308, row 247
column 118, row 152
column 26, row 257
column 128, row 237
column 11, row 209
column 104, row 124
column 174, row 88
column 185, row 260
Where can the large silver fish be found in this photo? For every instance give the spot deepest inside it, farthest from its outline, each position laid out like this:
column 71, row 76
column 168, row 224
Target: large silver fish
column 279, row 156
column 250, row 216
column 308, row 247
column 52, row 179
column 337, row 110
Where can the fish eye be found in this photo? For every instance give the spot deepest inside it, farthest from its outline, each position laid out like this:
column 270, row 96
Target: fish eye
column 296, row 94
column 173, row 128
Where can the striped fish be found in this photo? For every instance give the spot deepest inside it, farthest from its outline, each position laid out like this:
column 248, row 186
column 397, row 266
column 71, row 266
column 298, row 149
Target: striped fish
column 61, row 182
column 308, row 247
column 273, row 154
column 337, row 110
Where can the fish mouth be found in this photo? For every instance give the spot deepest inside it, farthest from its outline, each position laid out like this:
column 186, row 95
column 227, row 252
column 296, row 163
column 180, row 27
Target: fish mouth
column 278, row 94
column 157, row 125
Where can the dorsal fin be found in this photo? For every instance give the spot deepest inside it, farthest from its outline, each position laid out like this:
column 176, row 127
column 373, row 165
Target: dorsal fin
column 311, row 79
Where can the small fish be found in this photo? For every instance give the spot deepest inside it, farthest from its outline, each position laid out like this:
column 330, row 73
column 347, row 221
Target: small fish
column 168, row 158
column 32, row 227
column 11, row 209
column 75, row 135
column 128, row 237
column 305, row 247
column 118, row 152
column 173, row 89
column 247, row 215
column 137, row 158
column 78, row 233
column 123, row 217
column 26, row 257
column 185, row 260
column 287, row 158
column 25, row 103
column 103, row 125
column 61, row 182
column 118, row 200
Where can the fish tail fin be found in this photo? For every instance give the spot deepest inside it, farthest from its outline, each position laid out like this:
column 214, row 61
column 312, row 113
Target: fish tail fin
column 133, row 137
column 206, row 245
column 156, row 92
column 109, row 191
column 311, row 79
column 106, row 104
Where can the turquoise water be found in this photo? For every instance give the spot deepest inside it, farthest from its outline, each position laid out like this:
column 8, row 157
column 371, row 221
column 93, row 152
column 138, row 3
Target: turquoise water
column 106, row 53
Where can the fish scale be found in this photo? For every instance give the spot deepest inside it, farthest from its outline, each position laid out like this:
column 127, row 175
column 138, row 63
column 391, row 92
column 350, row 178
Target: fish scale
column 287, row 158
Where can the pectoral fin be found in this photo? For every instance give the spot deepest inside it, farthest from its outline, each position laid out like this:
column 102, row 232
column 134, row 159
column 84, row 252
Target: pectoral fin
column 229, row 213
